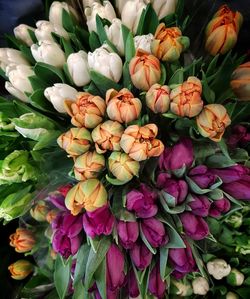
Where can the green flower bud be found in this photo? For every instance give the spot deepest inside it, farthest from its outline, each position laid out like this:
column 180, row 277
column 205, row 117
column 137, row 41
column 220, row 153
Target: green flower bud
column 235, row 278
column 181, row 288
column 234, row 220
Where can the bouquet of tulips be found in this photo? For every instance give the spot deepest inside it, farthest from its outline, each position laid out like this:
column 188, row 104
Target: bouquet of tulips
column 125, row 157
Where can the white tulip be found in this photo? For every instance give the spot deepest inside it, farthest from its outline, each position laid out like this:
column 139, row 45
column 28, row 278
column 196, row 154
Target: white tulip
column 114, row 34
column 58, row 93
column 45, row 28
column 131, row 14
column 231, row 295
column 19, row 81
column 89, row 3
column 164, row 7
column 78, row 68
column 48, row 52
column 56, row 9
column 218, row 268
column 106, row 63
column 200, row 286
column 119, row 4
column 11, row 56
column 21, row 32
column 104, row 11
column 144, row 42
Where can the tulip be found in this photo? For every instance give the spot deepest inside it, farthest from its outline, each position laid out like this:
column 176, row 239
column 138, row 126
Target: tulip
column 123, row 167
column 133, row 285
column 45, row 28
column 212, row 121
column 144, row 69
column 23, row 240
column 107, row 136
column 56, row 12
column 19, row 81
column 131, row 14
column 218, row 268
column 178, row 156
column 140, row 142
column 58, row 93
column 64, row 189
column 154, row 232
column 194, row 226
column 122, row 106
column 235, row 220
column 235, row 278
column 106, row 63
column 240, row 81
column 200, row 205
column 144, row 42
column 114, row 34
column 239, row 189
column 169, row 43
column 99, row 222
column 51, row 216
column 222, row 31
column 89, row 195
column 202, row 176
column 219, row 207
column 57, row 199
column 128, row 233
column 48, row 52
column 200, row 286
column 88, row 166
column 240, row 137
column 140, row 255
column 20, row 269
column 119, row 4
column 231, row 295
column 163, row 7
column 89, row 3
column 105, row 11
column 156, row 285
column 75, row 142
column 186, row 98
column 182, row 289
column 39, row 211
column 157, row 98
column 11, row 56
column 231, row 174
column 21, row 32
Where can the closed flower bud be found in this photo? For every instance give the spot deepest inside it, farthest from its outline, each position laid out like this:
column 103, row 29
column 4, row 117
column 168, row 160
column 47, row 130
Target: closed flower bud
column 144, row 42
column 156, row 285
column 235, row 278
column 114, row 34
column 23, row 240
column 145, row 70
column 128, row 233
column 48, row 52
column 186, row 98
column 200, row 286
column 212, row 121
column 231, row 295
column 140, row 255
column 154, row 232
column 51, row 216
column 222, row 31
column 78, row 68
column 89, row 3
column 119, row 4
column 163, row 7
column 21, row 32
column 107, row 136
column 218, row 268
column 11, row 56
column 182, row 289
column 157, row 98
column 194, row 226
column 88, row 195
column 219, row 207
column 88, row 166
column 140, row 142
column 56, row 12
column 240, row 81
column 106, row 63
column 45, row 28
column 235, row 220
column 75, row 142
column 122, row 106
column 20, row 269
column 202, row 176
column 123, row 167
column 200, row 205
column 39, row 211
column 131, row 13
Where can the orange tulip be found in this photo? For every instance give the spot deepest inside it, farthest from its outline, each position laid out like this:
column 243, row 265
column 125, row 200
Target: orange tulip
column 157, row 98
column 145, row 70
column 23, row 240
column 212, row 121
column 52, row 214
column 186, row 98
column 39, row 211
column 240, row 81
column 87, row 111
column 122, row 106
column 20, row 269
column 107, row 136
column 222, row 31
column 140, row 143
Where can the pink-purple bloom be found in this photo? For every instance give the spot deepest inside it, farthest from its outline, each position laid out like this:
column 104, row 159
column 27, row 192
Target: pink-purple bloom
column 202, row 176
column 128, row 233
column 132, row 285
column 154, row 232
column 219, row 207
column 200, row 205
column 240, row 137
column 156, row 285
column 232, row 173
column 140, row 255
column 194, row 226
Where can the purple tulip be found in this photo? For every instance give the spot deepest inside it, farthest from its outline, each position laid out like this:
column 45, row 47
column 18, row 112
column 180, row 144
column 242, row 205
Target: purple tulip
column 156, row 285
column 182, row 261
column 140, row 255
column 128, row 233
column 239, row 137
column 200, row 206
column 240, row 189
column 231, row 174
column 177, row 156
column 154, row 232
column 58, row 200
column 132, row 285
column 98, row 222
column 195, row 227
column 142, row 202
column 219, row 207
column 202, row 176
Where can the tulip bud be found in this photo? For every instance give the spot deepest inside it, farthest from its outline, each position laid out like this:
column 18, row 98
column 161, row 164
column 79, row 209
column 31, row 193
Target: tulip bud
column 20, row 269
column 145, row 70
column 45, row 28
column 240, row 81
column 182, row 289
column 11, row 56
column 48, row 52
column 200, row 286
column 58, row 94
column 212, row 121
column 156, row 285
column 202, row 176
column 235, row 220
column 21, row 32
column 133, row 285
column 119, row 4
column 140, row 255
column 23, row 240
column 163, row 7
column 114, row 34
column 154, row 232
column 219, row 207
column 89, row 3
column 78, row 68
column 195, row 227
column 218, row 268
column 106, row 63
column 51, row 216
column 56, row 12
column 231, row 295
column 144, row 42
column 75, row 142
column 235, row 278
column 239, row 137
column 157, row 98
column 89, row 195
column 128, row 233
column 200, row 205
column 39, row 211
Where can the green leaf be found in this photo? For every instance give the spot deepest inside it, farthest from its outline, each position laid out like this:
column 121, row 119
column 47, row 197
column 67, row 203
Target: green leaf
column 219, row 161
column 67, row 47
column 38, row 100
column 79, row 291
column 129, row 47
column 62, row 276
column 223, row 146
column 127, row 83
column 208, row 93
column 145, row 241
column 170, row 20
column 27, row 53
column 67, row 21
column 198, row 260
column 151, row 20
column 114, row 181
column 81, row 262
column 12, row 41
column 48, row 73
column 100, row 279
column 177, row 77
column 163, row 261
column 36, row 83
column 139, row 30
column 166, row 200
column 163, row 75
column 212, row 66
column 32, row 35
column 180, row 8
column 47, row 140
column 67, row 75
column 94, row 41
column 100, row 29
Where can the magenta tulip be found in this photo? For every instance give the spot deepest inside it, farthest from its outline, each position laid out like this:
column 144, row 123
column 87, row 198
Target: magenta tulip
column 200, row 206
column 156, row 285
column 202, row 176
column 140, row 255
column 219, row 207
column 240, row 137
column 231, row 174
column 194, row 226
column 132, row 285
column 128, row 233
column 154, row 232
